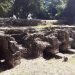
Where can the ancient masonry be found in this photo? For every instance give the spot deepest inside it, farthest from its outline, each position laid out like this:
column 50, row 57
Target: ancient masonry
column 26, row 42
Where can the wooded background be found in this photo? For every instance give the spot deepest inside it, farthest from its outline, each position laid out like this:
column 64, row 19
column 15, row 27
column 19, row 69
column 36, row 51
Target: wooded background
column 39, row 9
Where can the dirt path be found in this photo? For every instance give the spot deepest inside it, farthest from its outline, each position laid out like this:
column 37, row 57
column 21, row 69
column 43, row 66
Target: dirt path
column 41, row 66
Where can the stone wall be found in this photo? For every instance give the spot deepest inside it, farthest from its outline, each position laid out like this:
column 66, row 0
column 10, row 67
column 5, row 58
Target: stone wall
column 25, row 22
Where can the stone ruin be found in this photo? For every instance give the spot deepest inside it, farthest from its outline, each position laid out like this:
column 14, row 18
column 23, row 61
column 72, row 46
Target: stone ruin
column 9, row 50
column 44, row 42
column 29, row 43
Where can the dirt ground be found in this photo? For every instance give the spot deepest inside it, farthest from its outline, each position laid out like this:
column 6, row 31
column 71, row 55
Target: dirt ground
column 41, row 66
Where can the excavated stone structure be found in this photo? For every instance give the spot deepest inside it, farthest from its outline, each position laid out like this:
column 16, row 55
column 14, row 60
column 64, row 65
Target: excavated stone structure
column 45, row 41
column 30, row 42
column 9, row 50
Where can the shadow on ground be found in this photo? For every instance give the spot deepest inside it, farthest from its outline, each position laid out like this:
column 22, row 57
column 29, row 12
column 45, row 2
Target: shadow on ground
column 3, row 67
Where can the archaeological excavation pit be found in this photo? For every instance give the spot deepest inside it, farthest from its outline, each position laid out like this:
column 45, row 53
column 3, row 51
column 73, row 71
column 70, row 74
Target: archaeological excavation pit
column 35, row 42
column 30, row 42
column 9, row 50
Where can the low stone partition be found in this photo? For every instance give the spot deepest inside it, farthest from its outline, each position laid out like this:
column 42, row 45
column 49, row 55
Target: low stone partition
column 25, row 22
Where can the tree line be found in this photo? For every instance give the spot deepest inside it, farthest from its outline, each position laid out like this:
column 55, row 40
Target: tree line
column 40, row 9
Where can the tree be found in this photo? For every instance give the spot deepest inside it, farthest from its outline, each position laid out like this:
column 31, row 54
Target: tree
column 69, row 12
column 5, row 7
column 23, row 7
column 55, row 7
column 40, row 9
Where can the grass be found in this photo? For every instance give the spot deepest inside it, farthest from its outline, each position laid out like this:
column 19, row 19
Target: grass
column 44, row 26
column 49, row 23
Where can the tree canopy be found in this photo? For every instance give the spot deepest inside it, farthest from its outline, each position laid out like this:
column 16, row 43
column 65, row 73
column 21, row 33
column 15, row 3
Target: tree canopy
column 69, row 12
column 40, row 9
column 5, row 7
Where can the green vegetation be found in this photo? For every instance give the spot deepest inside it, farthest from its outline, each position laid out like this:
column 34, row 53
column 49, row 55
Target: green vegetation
column 5, row 7
column 39, row 9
